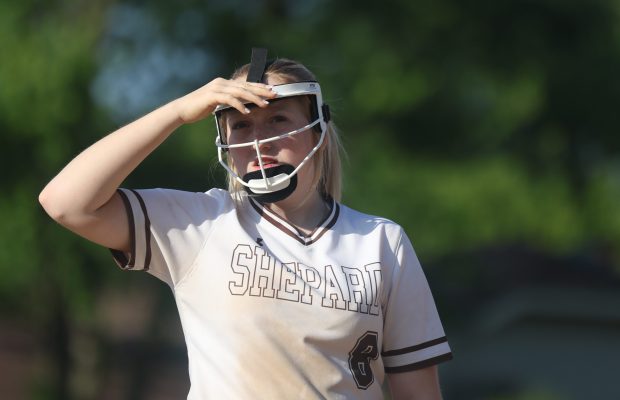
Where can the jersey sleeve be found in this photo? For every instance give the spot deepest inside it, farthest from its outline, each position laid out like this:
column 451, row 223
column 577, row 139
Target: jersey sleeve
column 413, row 335
column 168, row 229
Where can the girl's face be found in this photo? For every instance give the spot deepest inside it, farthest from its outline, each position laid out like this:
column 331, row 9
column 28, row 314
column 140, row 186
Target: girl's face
column 280, row 116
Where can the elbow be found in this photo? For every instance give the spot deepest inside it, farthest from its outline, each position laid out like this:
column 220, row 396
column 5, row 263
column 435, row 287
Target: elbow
column 58, row 206
column 50, row 204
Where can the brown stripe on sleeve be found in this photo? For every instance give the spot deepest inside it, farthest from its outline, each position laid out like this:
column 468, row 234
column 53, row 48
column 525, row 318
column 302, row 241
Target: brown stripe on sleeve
column 417, row 347
column 420, row 364
column 147, row 230
column 119, row 256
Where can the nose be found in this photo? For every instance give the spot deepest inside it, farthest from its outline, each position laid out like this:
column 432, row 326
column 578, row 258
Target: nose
column 261, row 134
column 262, row 147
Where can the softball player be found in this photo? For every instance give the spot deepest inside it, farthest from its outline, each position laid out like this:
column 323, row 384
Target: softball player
column 283, row 292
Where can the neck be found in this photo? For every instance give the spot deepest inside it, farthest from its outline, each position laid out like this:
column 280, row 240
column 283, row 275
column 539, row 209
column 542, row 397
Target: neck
column 305, row 214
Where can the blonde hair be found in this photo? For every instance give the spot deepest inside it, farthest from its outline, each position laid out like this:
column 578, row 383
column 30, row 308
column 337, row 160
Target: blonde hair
column 327, row 166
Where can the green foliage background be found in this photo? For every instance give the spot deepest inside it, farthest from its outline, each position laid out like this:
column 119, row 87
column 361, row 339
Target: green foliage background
column 475, row 125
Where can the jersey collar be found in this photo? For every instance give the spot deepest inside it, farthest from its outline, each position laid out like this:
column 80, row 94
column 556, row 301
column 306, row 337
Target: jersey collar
column 292, row 231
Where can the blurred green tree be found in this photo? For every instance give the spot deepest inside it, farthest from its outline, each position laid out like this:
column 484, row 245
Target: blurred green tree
column 470, row 123
column 45, row 75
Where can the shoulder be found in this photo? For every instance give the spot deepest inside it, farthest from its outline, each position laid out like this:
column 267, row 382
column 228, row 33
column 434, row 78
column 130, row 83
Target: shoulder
column 213, row 201
column 367, row 224
column 214, row 194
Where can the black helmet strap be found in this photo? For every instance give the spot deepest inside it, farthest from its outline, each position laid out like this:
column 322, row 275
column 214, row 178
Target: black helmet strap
column 258, row 64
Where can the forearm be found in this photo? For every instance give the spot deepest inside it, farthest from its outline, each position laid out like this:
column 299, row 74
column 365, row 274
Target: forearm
column 79, row 197
column 91, row 178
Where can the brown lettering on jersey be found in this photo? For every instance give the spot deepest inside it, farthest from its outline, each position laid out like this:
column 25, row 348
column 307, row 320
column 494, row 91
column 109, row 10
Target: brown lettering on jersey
column 372, row 297
column 357, row 289
column 312, row 280
column 332, row 290
column 345, row 288
column 263, row 282
column 242, row 261
column 288, row 283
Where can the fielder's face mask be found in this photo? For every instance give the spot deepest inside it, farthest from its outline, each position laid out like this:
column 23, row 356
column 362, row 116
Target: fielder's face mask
column 272, row 184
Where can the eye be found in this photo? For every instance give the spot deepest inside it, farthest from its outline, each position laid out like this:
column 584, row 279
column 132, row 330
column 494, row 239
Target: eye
column 279, row 118
column 239, row 125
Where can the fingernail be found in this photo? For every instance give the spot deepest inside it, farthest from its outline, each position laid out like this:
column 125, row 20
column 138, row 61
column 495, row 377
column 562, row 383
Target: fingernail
column 265, row 102
column 246, row 110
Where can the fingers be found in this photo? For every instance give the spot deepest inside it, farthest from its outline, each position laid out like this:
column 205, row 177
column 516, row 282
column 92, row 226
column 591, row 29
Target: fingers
column 235, row 92
column 228, row 99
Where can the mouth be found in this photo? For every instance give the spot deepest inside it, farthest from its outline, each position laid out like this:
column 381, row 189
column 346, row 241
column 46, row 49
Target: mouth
column 268, row 162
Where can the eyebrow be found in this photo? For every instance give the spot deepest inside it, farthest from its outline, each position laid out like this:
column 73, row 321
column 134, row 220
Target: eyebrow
column 274, row 105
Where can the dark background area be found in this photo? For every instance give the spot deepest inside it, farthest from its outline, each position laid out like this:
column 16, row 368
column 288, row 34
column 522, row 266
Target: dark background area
column 488, row 129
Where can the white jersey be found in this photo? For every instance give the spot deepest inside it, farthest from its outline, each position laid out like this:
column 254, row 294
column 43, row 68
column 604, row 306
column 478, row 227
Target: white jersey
column 269, row 313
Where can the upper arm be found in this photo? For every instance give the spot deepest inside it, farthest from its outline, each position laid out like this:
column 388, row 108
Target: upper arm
column 110, row 225
column 421, row 384
column 107, row 226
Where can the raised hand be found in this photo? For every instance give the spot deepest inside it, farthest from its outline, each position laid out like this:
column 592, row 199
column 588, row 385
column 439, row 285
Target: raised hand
column 236, row 93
